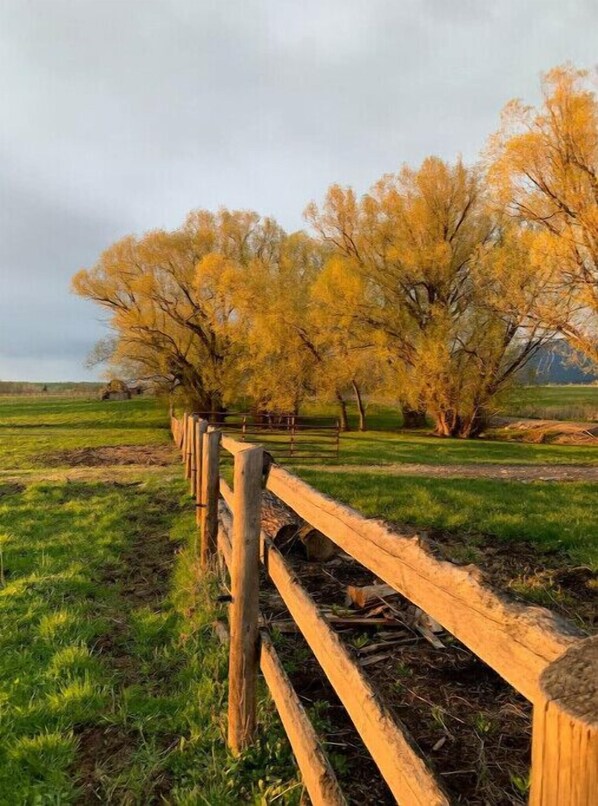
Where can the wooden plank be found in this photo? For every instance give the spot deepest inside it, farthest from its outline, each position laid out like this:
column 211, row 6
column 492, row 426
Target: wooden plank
column 227, row 493
column 200, row 429
column 516, row 640
column 225, row 530
column 364, row 594
column 209, row 495
column 244, row 609
column 316, row 771
column 565, row 731
column 184, row 435
column 403, row 768
column 233, row 445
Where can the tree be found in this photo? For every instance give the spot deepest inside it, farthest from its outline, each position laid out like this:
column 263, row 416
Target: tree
column 281, row 353
column 353, row 360
column 544, row 170
column 429, row 255
column 174, row 299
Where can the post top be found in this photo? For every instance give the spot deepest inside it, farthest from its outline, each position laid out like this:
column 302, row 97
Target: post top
column 572, row 681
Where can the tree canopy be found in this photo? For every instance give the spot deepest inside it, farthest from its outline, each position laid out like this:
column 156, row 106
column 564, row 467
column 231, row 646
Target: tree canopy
column 434, row 288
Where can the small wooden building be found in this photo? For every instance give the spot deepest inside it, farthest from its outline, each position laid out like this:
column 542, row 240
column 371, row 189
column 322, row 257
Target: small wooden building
column 115, row 390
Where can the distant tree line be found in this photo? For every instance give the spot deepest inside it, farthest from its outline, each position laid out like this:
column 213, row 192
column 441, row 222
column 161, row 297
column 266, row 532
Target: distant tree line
column 435, row 287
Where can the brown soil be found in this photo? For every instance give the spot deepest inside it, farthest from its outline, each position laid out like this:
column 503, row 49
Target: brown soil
column 518, row 567
column 473, row 728
column 111, row 455
column 473, row 471
column 11, row 488
column 142, row 579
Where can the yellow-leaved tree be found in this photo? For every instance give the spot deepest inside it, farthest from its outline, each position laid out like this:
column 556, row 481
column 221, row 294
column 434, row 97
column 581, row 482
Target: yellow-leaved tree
column 435, row 296
column 174, row 300
column 543, row 165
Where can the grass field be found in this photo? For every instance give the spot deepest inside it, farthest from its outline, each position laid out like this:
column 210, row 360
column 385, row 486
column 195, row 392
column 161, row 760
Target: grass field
column 112, row 687
column 574, row 402
column 553, row 515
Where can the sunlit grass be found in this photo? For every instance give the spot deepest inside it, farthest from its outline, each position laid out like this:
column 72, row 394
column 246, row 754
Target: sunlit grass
column 552, row 515
column 31, row 428
column 82, row 652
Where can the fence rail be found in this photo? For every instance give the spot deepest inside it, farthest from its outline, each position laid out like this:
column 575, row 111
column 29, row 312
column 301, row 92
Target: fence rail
column 285, row 436
column 542, row 656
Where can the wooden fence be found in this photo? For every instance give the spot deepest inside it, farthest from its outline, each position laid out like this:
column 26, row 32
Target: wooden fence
column 540, row 655
column 287, row 436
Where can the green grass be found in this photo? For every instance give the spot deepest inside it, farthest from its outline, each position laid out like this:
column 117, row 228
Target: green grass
column 574, row 402
column 380, row 448
column 106, row 624
column 110, row 677
column 30, row 428
column 552, row 515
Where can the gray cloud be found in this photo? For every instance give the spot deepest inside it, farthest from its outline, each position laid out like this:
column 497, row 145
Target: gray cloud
column 123, row 115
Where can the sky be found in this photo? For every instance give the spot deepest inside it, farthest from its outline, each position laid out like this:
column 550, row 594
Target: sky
column 120, row 116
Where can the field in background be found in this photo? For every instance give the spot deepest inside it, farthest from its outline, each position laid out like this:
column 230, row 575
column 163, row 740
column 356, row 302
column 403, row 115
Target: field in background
column 553, row 402
column 64, row 388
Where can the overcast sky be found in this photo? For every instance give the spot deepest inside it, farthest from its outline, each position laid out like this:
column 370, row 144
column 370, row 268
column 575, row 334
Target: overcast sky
column 119, row 116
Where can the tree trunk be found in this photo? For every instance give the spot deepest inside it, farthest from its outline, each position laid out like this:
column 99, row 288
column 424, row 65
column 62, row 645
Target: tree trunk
column 472, row 426
column 360, row 408
column 413, row 418
column 452, row 424
column 343, row 407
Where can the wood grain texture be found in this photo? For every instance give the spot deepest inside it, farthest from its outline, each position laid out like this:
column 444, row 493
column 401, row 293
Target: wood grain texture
column 194, row 420
column 403, row 768
column 565, row 731
column 201, row 427
column 244, row 609
column 209, row 495
column 316, row 771
column 518, row 641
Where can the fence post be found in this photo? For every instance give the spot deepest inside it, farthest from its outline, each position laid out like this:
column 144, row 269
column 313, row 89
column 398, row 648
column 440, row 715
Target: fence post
column 193, row 457
column 565, row 730
column 292, row 424
column 210, row 483
column 244, row 652
column 183, row 445
column 188, row 445
column 200, row 429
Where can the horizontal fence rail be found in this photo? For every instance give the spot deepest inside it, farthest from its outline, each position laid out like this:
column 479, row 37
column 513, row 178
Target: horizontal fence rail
column 542, row 656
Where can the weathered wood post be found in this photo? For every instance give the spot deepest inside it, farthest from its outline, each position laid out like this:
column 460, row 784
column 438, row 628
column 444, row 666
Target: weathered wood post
column 183, row 445
column 201, row 427
column 244, row 652
column 565, row 730
column 188, row 445
column 210, row 482
column 194, row 419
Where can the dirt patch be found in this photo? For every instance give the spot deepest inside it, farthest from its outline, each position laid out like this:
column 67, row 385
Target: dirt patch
column 473, row 471
column 473, row 728
column 104, row 753
column 111, row 455
column 11, row 488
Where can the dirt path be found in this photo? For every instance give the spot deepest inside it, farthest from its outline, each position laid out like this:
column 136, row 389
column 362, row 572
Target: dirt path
column 472, row 471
